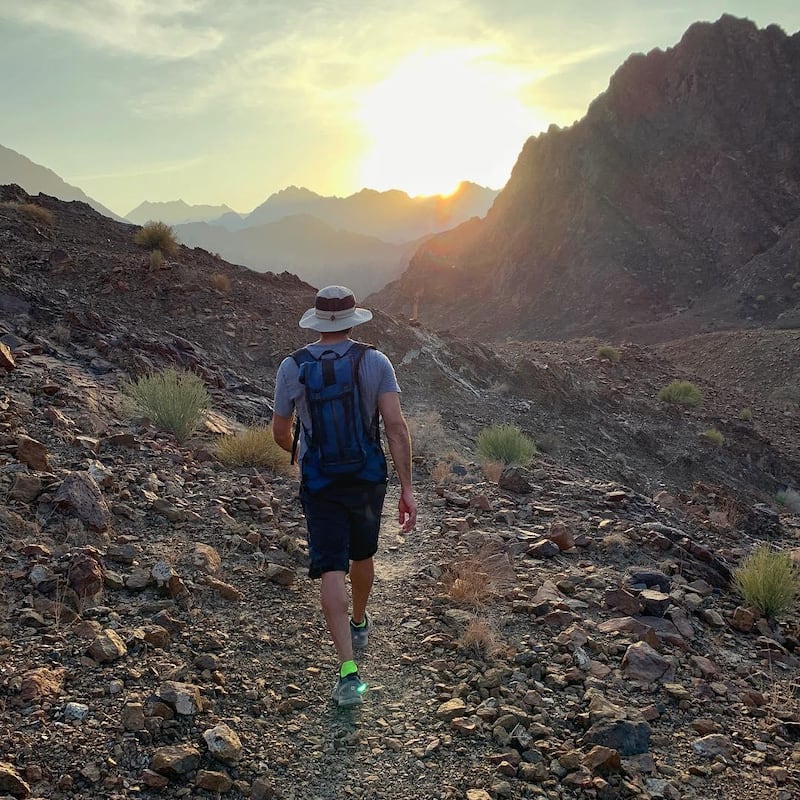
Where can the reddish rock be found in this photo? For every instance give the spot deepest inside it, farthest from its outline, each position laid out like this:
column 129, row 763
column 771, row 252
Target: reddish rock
column 32, row 453
column 561, row 535
column 744, row 619
column 86, row 573
column 602, row 759
column 624, row 601
column 642, row 663
column 175, row 761
column 211, row 781
column 80, row 495
column 11, row 782
column 206, row 558
column 40, row 683
column 107, row 647
column 6, row 358
column 26, row 488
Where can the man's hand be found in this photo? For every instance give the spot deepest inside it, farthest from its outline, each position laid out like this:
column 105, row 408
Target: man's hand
column 408, row 510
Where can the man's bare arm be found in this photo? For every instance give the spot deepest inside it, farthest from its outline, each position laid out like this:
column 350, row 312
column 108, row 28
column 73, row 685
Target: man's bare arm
column 282, row 431
column 400, row 447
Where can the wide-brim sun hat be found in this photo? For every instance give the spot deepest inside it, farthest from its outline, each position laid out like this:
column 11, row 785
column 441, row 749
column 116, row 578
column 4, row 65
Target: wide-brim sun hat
column 334, row 310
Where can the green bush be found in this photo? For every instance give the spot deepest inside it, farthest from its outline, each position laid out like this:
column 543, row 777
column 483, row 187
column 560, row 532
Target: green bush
column 608, row 352
column 681, row 393
column 157, row 236
column 746, row 414
column 506, row 443
column 173, row 399
column 713, row 436
column 768, row 581
column 253, row 447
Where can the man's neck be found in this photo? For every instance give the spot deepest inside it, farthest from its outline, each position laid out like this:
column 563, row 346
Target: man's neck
column 332, row 338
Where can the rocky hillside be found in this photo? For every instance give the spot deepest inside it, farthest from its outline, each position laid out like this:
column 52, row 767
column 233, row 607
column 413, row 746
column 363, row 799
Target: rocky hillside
column 16, row 168
column 673, row 207
column 564, row 630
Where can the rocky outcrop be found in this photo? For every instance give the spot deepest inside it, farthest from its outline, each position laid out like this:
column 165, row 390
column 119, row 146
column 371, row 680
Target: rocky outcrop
column 674, row 201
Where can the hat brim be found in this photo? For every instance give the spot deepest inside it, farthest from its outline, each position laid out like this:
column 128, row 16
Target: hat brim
column 316, row 323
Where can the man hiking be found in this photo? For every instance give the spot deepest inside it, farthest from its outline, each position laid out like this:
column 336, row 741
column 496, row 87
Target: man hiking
column 340, row 390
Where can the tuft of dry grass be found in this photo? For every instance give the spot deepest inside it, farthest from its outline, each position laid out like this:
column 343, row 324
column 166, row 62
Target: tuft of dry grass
column 156, row 260
column 221, row 282
column 428, row 436
column 35, row 212
column 442, row 473
column 157, row 236
column 477, row 578
column 253, row 447
column 478, row 637
column 492, row 470
column 607, row 352
column 713, row 436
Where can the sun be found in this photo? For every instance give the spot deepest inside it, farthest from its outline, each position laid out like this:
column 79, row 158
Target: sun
column 442, row 118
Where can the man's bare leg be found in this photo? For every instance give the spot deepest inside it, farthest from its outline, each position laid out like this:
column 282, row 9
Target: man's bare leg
column 362, row 575
column 333, row 593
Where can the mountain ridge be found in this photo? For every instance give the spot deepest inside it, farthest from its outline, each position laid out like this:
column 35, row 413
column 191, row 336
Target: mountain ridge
column 16, row 168
column 669, row 208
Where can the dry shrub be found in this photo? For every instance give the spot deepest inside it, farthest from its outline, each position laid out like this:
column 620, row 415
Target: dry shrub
column 442, row 473
column 253, row 447
column 713, row 436
column 492, row 470
column 477, row 578
column 428, row 437
column 156, row 260
column 607, row 352
column 34, row 211
column 221, row 282
column 479, row 637
column 157, row 236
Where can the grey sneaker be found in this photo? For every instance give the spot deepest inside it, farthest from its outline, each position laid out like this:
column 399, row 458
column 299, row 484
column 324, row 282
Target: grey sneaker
column 360, row 636
column 349, row 691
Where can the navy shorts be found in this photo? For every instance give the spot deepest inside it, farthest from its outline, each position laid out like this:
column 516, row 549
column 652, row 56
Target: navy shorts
column 343, row 525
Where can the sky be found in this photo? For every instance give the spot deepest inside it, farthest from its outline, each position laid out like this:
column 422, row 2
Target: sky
column 228, row 101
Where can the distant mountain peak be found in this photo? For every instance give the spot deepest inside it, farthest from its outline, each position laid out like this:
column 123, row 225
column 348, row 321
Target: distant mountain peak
column 176, row 212
column 34, row 178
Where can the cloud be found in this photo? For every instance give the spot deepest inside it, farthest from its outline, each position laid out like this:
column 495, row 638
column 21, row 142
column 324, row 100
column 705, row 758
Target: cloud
column 167, row 30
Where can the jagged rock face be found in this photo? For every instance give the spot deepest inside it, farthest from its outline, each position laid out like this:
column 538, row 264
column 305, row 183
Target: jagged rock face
column 679, row 189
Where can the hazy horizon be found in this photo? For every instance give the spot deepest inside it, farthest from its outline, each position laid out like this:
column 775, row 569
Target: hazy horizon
column 226, row 103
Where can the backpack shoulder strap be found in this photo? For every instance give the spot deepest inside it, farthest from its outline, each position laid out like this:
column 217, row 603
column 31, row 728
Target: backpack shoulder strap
column 300, row 356
column 358, row 349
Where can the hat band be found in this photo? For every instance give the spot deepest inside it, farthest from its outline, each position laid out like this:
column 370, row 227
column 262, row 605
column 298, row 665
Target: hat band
column 335, row 303
column 333, row 315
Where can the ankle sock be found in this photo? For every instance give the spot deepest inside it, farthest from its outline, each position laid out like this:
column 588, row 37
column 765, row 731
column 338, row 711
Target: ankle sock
column 362, row 624
column 347, row 668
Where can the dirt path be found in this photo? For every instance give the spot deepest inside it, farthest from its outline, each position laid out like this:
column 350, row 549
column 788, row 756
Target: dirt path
column 393, row 746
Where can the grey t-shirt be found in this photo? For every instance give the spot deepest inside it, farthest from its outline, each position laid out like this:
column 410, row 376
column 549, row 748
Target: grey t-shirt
column 376, row 376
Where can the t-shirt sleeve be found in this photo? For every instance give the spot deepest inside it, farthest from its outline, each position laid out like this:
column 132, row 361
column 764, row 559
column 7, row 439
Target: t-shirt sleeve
column 386, row 378
column 284, row 404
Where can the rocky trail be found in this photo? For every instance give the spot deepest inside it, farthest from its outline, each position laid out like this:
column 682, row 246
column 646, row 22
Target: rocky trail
column 564, row 630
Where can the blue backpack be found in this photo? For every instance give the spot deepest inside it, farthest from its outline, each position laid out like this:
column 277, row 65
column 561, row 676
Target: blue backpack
column 342, row 446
